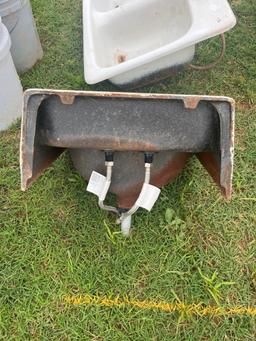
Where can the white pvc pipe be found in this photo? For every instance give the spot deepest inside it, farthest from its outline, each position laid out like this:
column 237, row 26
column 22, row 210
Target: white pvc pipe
column 126, row 226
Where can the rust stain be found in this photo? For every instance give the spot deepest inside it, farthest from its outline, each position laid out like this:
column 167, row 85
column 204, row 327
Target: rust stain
column 67, row 98
column 165, row 175
column 101, row 143
column 227, row 181
column 210, row 163
column 121, row 58
column 191, row 102
column 44, row 160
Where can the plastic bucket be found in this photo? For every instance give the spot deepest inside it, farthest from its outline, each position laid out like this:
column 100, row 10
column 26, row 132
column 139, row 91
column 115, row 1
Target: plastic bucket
column 10, row 86
column 26, row 48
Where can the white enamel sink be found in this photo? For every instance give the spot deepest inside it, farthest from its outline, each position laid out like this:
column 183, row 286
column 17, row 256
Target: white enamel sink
column 126, row 40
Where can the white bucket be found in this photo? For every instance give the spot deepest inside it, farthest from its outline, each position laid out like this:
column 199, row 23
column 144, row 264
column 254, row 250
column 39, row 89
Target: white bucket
column 26, row 48
column 10, row 86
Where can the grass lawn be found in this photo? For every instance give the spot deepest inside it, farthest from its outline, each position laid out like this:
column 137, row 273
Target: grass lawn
column 55, row 241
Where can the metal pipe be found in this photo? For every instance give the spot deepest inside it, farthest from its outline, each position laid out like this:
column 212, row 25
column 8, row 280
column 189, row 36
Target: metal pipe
column 109, row 165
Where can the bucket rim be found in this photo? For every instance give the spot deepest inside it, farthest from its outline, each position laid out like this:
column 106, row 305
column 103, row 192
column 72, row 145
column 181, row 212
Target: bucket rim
column 5, row 41
column 8, row 7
